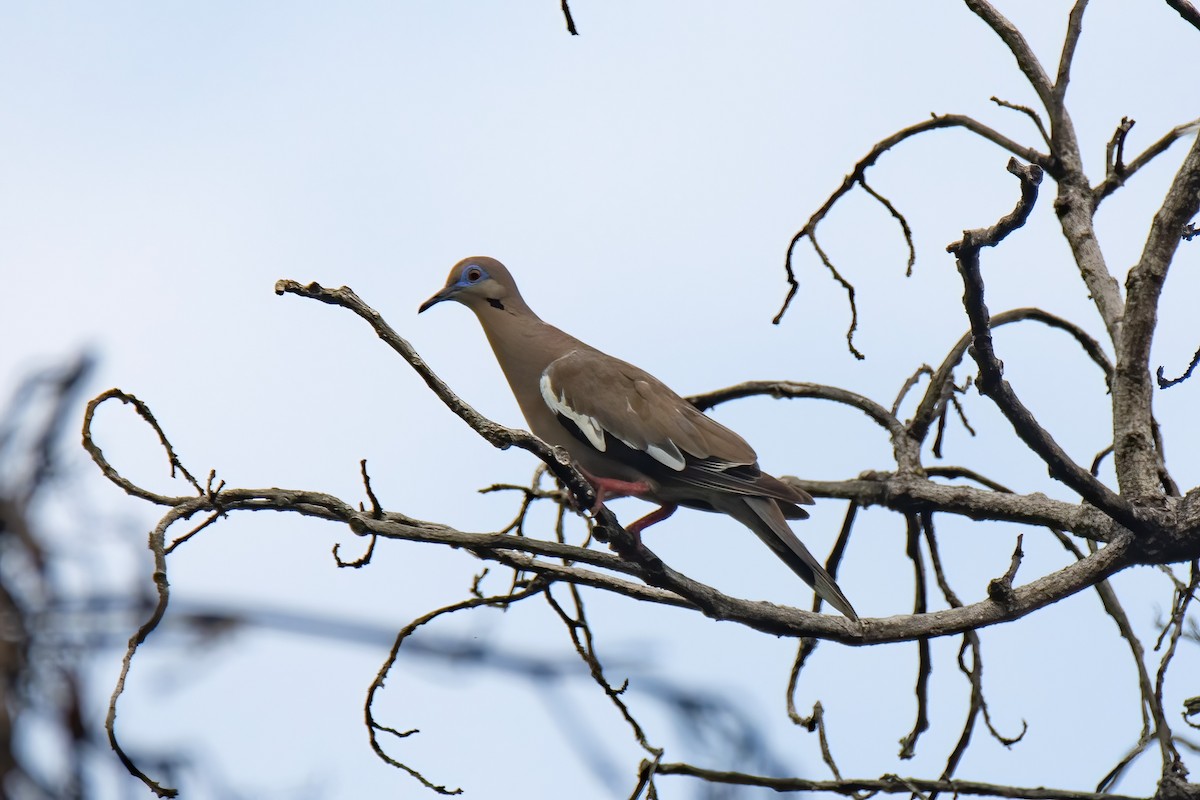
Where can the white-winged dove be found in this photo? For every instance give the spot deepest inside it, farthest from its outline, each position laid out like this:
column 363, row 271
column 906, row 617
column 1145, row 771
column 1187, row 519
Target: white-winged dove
column 630, row 434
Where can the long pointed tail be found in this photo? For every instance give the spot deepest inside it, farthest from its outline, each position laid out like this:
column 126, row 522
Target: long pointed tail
column 768, row 523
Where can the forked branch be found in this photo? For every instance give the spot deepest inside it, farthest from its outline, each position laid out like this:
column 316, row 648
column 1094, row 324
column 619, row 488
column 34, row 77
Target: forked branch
column 991, row 381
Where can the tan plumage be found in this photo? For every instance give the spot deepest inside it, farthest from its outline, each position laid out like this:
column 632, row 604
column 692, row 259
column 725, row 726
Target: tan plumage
column 629, row 432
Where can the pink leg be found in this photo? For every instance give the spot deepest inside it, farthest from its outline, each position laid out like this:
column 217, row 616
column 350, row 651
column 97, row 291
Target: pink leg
column 658, row 515
column 611, row 488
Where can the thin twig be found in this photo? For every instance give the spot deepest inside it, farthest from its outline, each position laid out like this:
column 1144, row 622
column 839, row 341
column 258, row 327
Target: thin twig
column 374, row 728
column 974, row 673
column 162, row 592
column 903, row 222
column 1114, row 181
column 585, row 647
column 1114, row 154
column 930, row 407
column 1166, row 383
column 908, row 744
column 566, row 10
column 359, row 562
column 1000, row 589
column 376, row 508
column 1070, row 41
column 905, row 449
column 857, row 176
column 109, row 472
column 808, row 644
column 1027, row 111
column 1039, row 81
column 912, row 380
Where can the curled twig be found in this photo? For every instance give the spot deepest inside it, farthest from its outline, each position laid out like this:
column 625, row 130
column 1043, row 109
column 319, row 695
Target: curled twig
column 359, row 562
column 374, row 728
column 110, row 472
column 1166, row 383
column 162, row 589
column 857, row 177
column 585, row 647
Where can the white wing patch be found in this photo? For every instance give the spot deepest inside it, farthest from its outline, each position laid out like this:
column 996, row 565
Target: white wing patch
column 558, row 404
column 667, row 453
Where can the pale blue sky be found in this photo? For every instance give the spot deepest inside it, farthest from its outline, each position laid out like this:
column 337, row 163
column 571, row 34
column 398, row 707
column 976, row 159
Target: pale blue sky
column 162, row 165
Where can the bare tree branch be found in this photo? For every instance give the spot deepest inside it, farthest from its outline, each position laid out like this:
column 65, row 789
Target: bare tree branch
column 162, row 589
column 566, row 10
column 1115, row 179
column 1027, row 111
column 900, row 219
column 1016, row 44
column 858, row 177
column 1187, row 11
column 908, row 745
column 1070, row 41
column 1166, row 383
column 1145, row 523
column 1075, row 204
column 929, row 408
column 374, row 728
column 888, row 784
column 585, row 647
column 1133, row 436
column 903, row 445
column 991, row 381
column 680, row 590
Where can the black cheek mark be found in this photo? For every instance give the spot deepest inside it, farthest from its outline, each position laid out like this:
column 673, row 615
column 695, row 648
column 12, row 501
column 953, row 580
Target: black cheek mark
column 494, row 303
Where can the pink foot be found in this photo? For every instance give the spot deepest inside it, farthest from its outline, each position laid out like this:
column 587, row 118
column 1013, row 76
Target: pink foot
column 611, row 488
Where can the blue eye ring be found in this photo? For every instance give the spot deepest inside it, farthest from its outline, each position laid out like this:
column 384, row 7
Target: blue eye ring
column 473, row 274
